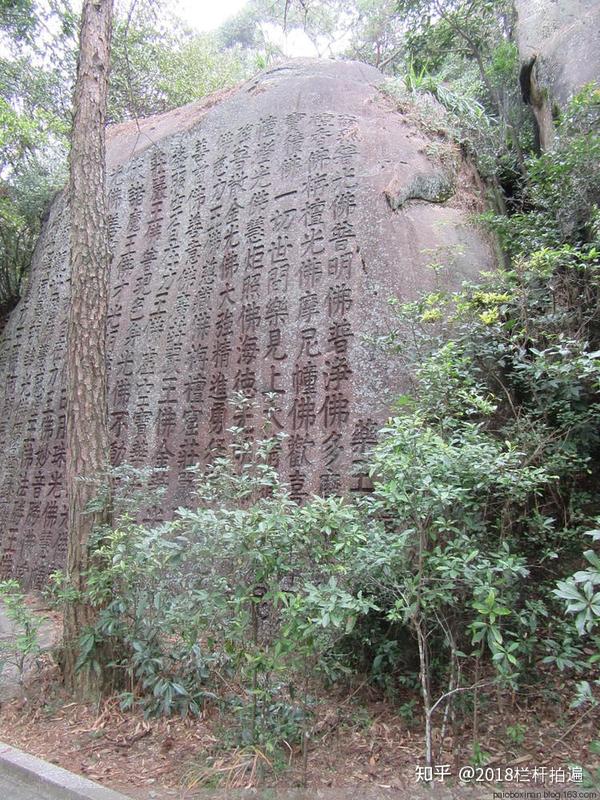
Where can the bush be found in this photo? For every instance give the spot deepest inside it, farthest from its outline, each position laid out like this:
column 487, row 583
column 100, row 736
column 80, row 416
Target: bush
column 487, row 476
column 561, row 193
column 187, row 621
column 21, row 647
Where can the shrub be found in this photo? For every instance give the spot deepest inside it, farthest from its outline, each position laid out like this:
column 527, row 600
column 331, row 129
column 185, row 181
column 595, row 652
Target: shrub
column 21, row 647
column 188, row 621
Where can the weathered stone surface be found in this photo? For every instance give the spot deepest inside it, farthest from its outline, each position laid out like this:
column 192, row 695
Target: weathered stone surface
column 436, row 187
column 559, row 48
column 254, row 250
column 564, row 36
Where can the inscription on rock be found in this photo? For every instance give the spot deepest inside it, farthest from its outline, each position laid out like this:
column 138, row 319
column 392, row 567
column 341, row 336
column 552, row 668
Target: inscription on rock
column 254, row 254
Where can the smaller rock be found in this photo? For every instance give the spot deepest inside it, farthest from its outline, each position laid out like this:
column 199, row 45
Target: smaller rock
column 434, row 187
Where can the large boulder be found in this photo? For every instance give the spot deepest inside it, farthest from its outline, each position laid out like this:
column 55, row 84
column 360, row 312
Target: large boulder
column 559, row 47
column 257, row 239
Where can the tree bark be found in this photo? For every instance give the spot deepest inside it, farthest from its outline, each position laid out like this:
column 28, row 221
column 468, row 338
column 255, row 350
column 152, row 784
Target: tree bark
column 87, row 458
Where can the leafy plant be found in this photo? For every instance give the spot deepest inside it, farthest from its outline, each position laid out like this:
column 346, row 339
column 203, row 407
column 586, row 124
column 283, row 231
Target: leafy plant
column 21, row 647
column 516, row 733
column 479, row 757
column 185, row 622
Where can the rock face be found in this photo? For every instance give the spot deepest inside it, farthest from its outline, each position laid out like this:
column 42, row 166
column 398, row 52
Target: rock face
column 255, row 247
column 559, row 47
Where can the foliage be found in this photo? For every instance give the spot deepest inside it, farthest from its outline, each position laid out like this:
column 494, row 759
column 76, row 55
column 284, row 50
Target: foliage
column 560, row 198
column 471, row 27
column 445, row 565
column 21, row 647
column 186, row 623
column 508, row 372
column 377, row 35
column 158, row 64
column 579, row 593
column 367, row 30
column 22, row 207
column 486, row 477
column 34, row 98
column 516, row 733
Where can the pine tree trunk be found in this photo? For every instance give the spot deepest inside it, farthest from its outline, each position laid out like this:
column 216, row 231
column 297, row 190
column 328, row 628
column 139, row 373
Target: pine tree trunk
column 87, row 431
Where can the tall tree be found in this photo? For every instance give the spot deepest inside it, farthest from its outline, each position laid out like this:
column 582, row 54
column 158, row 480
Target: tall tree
column 87, row 430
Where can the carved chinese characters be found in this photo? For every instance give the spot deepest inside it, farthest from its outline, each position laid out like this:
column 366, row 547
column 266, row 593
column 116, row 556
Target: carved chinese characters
column 254, row 253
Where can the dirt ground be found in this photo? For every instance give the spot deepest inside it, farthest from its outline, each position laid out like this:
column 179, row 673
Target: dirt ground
column 358, row 741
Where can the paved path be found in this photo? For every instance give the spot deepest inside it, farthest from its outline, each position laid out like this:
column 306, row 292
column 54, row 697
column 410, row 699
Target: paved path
column 24, row 777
